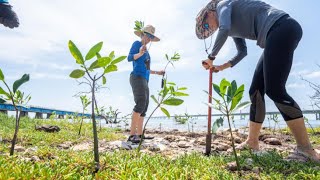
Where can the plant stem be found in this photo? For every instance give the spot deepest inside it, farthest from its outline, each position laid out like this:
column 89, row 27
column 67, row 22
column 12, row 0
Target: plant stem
column 232, row 140
column 81, row 122
column 15, row 136
column 144, row 127
column 94, row 128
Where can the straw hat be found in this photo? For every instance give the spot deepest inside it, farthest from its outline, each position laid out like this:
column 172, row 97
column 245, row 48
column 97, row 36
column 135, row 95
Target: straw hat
column 201, row 32
column 150, row 30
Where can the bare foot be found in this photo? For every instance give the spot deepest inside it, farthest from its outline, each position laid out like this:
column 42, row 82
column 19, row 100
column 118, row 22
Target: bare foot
column 253, row 145
column 309, row 153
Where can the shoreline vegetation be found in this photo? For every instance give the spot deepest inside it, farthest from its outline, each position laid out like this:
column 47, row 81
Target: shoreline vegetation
column 170, row 155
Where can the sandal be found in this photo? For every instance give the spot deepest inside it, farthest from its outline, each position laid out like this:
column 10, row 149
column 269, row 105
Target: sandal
column 299, row 151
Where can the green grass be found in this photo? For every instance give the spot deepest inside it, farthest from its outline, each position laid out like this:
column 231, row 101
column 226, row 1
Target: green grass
column 67, row 164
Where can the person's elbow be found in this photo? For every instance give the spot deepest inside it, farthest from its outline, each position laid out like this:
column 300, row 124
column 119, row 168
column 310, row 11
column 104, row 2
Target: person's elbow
column 244, row 53
column 130, row 57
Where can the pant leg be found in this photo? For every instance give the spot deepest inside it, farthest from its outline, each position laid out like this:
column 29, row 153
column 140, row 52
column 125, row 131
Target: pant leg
column 256, row 92
column 147, row 103
column 280, row 45
column 139, row 86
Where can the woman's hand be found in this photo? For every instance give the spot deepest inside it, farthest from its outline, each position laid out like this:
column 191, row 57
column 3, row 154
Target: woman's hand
column 162, row 72
column 223, row 67
column 207, row 64
column 142, row 50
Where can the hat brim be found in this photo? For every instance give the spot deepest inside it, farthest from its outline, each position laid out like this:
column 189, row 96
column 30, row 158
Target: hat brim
column 139, row 33
column 201, row 32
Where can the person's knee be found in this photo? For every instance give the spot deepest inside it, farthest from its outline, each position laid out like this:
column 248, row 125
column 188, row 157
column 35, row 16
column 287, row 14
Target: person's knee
column 140, row 105
column 274, row 94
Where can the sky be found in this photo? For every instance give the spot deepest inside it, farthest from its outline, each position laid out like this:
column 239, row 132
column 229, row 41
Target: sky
column 39, row 47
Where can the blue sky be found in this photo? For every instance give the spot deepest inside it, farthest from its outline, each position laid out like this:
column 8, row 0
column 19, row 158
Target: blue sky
column 39, row 47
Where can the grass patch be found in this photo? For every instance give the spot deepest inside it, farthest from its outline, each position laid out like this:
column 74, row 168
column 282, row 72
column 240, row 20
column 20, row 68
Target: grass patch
column 67, row 164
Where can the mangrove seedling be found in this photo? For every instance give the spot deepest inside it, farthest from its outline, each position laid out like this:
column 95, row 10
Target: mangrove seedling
column 17, row 99
column 91, row 75
column 169, row 96
column 228, row 103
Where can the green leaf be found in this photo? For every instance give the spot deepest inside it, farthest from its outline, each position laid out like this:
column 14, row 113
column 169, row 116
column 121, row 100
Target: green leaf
column 229, row 94
column 237, row 97
column 180, row 94
column 25, row 78
column 111, row 55
column 216, row 125
column 76, row 53
column 119, row 59
column 216, row 89
column 78, row 73
column 173, row 102
column 166, row 112
column 104, row 80
column 224, row 84
column 1, row 75
column 2, row 101
column 233, row 87
column 171, row 83
column 111, row 68
column 182, row 89
column 154, row 99
column 98, row 55
column 94, row 65
column 167, row 57
column 2, row 91
column 94, row 50
column 241, row 106
column 104, row 61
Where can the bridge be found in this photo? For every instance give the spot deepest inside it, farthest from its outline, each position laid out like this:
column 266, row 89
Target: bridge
column 40, row 111
column 244, row 115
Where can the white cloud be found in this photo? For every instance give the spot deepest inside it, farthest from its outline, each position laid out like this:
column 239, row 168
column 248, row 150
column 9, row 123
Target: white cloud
column 315, row 74
column 296, row 85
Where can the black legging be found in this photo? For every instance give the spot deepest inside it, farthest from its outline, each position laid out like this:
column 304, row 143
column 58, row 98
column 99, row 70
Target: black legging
column 273, row 69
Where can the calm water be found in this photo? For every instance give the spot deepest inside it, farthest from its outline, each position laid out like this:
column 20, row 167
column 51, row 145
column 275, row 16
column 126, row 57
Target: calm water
column 200, row 124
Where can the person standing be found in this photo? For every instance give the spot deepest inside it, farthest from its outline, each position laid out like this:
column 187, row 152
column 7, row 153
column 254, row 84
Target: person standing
column 139, row 78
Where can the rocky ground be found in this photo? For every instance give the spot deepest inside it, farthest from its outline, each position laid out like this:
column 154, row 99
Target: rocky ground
column 174, row 143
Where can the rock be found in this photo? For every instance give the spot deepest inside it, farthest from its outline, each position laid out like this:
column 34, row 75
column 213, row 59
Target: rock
column 272, row 141
column 65, row 145
column 256, row 170
column 184, row 144
column 35, row 159
column 236, row 138
column 157, row 147
column 170, row 138
column 201, row 141
column 182, row 138
column 221, row 146
column 246, row 168
column 249, row 162
column 232, row 166
column 31, row 150
column 82, row 147
column 120, row 145
column 48, row 128
column 19, row 149
column 262, row 137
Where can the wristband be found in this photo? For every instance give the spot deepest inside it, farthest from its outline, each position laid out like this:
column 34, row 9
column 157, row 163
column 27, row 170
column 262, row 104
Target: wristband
column 211, row 58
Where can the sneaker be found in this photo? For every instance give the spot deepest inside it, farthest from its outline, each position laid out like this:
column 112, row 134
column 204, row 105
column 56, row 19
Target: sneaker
column 7, row 16
column 146, row 137
column 134, row 139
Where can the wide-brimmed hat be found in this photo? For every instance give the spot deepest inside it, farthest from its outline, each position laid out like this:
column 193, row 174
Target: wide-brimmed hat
column 201, row 31
column 150, row 30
